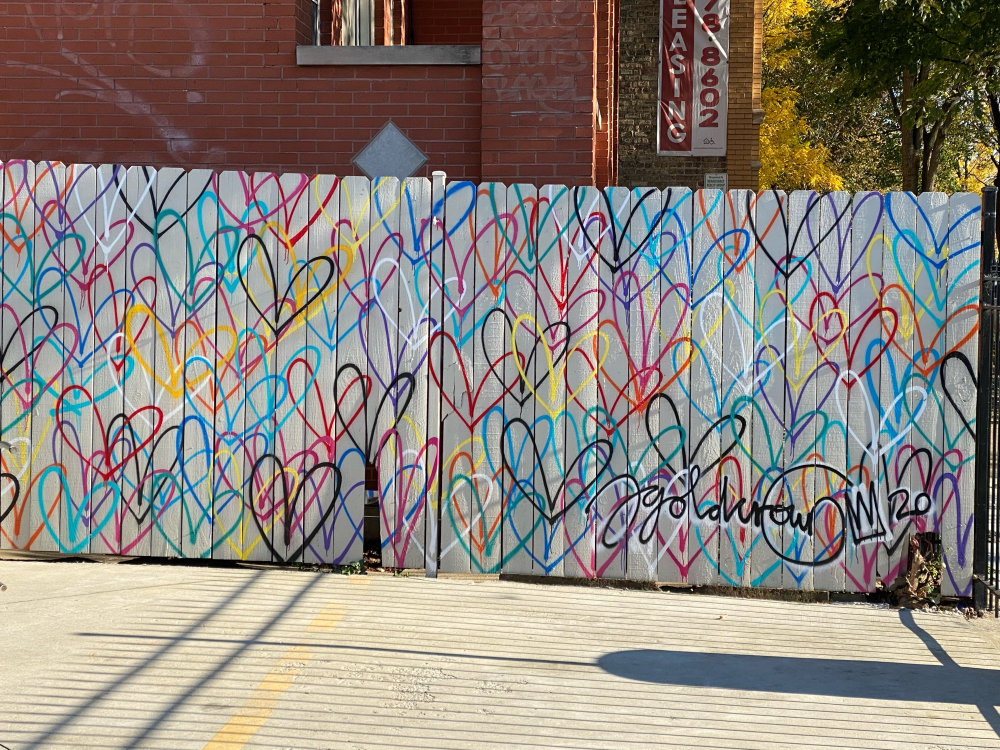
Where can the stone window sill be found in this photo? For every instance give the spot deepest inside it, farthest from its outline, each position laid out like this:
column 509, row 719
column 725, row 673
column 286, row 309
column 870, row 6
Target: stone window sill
column 429, row 54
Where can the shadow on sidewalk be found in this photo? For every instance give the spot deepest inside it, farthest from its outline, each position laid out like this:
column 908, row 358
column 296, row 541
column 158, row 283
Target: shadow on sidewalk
column 89, row 704
column 945, row 682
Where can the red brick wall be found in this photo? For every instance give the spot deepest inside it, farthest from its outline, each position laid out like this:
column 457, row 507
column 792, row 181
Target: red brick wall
column 746, row 36
column 538, row 91
column 606, row 94
column 213, row 83
column 446, row 21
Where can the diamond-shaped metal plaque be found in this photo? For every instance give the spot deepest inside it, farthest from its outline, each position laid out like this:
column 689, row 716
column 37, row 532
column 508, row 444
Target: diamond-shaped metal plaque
column 390, row 154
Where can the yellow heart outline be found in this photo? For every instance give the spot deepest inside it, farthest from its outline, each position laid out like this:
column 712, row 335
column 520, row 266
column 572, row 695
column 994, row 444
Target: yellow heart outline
column 556, row 379
column 799, row 352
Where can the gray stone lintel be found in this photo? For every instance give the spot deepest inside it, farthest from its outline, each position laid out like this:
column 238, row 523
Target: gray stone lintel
column 416, row 54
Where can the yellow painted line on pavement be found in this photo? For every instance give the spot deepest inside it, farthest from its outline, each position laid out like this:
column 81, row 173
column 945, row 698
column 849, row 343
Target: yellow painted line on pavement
column 246, row 722
column 258, row 708
column 328, row 619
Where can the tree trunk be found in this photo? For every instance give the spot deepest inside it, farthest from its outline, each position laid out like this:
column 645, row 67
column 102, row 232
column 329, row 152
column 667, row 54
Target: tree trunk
column 932, row 158
column 909, row 140
column 910, row 158
column 933, row 144
column 994, row 100
column 926, row 174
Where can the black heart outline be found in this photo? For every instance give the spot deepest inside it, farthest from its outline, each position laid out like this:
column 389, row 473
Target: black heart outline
column 782, row 265
column 360, row 381
column 521, row 393
column 144, row 470
column 403, row 379
column 717, row 428
column 278, row 327
column 528, row 491
column 967, row 364
column 289, row 505
column 119, row 179
column 656, row 398
column 42, row 310
column 688, row 458
column 15, row 495
column 617, row 262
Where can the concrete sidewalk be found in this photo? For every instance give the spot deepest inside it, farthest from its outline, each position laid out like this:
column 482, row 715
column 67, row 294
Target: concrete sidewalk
column 111, row 656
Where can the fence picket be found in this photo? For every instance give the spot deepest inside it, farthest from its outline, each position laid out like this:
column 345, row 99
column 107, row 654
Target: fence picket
column 958, row 386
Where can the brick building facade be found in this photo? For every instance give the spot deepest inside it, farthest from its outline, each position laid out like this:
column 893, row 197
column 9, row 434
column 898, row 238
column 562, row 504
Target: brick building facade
column 562, row 91
column 638, row 161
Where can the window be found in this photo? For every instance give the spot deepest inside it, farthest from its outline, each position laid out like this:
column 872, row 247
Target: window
column 392, row 32
column 357, row 23
column 360, row 23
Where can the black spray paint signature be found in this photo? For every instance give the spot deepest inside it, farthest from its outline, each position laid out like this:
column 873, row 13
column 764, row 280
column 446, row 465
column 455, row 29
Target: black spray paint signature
column 676, row 493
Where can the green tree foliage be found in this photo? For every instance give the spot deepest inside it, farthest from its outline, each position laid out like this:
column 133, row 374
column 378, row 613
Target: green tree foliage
column 928, row 67
column 835, row 70
column 856, row 131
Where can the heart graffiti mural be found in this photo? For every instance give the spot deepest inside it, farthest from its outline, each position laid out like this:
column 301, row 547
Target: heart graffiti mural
column 710, row 387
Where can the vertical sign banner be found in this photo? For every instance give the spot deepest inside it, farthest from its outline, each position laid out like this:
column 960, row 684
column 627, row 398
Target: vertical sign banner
column 694, row 77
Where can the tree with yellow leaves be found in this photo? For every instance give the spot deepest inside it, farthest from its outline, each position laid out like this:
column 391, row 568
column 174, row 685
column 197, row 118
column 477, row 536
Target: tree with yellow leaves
column 788, row 159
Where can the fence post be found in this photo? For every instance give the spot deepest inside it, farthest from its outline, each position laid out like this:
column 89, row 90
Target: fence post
column 432, row 552
column 988, row 272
